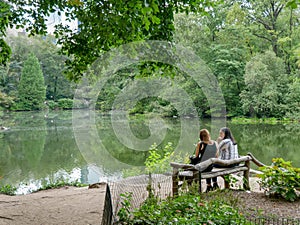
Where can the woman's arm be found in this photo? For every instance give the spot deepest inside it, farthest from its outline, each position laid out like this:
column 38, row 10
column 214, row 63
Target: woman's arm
column 197, row 150
column 217, row 152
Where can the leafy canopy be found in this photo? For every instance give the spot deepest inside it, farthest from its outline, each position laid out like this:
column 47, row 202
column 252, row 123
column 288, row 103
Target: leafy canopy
column 102, row 24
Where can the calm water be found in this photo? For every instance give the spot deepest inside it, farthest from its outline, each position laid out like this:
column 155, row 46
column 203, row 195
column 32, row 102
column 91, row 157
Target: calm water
column 44, row 147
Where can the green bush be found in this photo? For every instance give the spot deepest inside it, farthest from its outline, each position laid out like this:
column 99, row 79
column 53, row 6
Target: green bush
column 158, row 161
column 65, row 103
column 184, row 209
column 60, row 183
column 8, row 190
column 52, row 104
column 280, row 179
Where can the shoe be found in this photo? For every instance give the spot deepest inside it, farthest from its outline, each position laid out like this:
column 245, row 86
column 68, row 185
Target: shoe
column 209, row 188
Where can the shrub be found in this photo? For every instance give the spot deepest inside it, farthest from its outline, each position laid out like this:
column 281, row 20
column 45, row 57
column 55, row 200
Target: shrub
column 158, row 161
column 8, row 190
column 65, row 103
column 184, row 209
column 280, row 179
column 60, row 183
column 52, row 104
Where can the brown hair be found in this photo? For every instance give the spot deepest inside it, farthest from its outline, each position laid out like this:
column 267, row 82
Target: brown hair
column 204, row 135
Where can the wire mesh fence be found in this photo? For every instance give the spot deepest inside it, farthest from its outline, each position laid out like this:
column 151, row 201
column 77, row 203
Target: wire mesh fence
column 161, row 186
column 274, row 221
column 254, row 221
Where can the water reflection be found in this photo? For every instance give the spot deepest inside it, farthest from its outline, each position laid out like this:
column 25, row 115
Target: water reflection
column 88, row 174
column 41, row 148
column 267, row 141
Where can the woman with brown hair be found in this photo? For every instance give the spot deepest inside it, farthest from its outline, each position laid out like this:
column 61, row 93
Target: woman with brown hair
column 205, row 150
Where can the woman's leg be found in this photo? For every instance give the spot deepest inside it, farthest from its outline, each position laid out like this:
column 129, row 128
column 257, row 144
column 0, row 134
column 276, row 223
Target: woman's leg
column 209, row 187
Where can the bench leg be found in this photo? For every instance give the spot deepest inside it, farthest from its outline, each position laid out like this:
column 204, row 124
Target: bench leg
column 226, row 181
column 246, row 184
column 226, row 184
column 175, row 184
column 200, row 183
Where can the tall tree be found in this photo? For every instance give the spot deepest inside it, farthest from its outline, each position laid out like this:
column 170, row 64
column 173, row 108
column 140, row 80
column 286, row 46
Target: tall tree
column 5, row 14
column 266, row 86
column 32, row 91
column 274, row 22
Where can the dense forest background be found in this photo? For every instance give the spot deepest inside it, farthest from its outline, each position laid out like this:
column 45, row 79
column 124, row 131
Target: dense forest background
column 252, row 49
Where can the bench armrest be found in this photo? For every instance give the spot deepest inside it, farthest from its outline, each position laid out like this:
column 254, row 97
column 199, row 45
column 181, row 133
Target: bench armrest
column 203, row 165
column 182, row 166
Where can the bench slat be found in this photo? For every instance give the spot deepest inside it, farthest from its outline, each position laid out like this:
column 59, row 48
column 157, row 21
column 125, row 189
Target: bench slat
column 223, row 172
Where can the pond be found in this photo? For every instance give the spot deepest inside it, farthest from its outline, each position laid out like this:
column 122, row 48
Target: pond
column 43, row 147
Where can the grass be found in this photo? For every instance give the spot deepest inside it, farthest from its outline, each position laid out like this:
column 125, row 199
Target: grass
column 11, row 190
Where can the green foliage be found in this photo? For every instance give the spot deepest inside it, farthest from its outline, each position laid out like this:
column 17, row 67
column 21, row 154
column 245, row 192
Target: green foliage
column 158, row 161
column 65, row 103
column 5, row 52
column 5, row 13
column 103, row 24
column 52, row 104
column 293, row 99
column 124, row 212
column 60, row 183
column 266, row 86
column 293, row 4
column 31, row 90
column 184, row 209
column 228, row 64
column 4, row 16
column 52, row 65
column 8, row 190
column 255, row 120
column 280, row 179
column 6, row 102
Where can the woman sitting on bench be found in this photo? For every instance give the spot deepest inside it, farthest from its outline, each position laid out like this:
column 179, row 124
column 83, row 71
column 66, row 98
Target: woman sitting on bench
column 207, row 149
column 227, row 146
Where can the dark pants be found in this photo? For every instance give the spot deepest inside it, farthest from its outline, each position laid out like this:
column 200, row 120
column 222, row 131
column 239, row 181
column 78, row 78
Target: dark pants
column 208, row 180
column 221, row 166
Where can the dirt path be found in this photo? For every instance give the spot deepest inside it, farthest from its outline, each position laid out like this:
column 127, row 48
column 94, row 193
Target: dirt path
column 69, row 205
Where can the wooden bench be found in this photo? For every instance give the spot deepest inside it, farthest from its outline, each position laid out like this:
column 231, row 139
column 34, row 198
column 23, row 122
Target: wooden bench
column 192, row 173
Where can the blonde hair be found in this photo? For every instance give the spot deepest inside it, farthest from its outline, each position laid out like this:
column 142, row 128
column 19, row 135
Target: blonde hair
column 204, row 135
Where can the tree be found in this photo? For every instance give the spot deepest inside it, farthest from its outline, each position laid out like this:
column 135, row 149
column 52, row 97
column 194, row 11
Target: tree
column 274, row 22
column 222, row 41
column 32, row 91
column 265, row 15
column 52, row 65
column 5, row 51
column 293, row 99
column 103, row 24
column 266, row 86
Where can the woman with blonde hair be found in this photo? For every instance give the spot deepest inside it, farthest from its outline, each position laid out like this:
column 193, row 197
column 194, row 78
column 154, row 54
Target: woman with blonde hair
column 206, row 149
